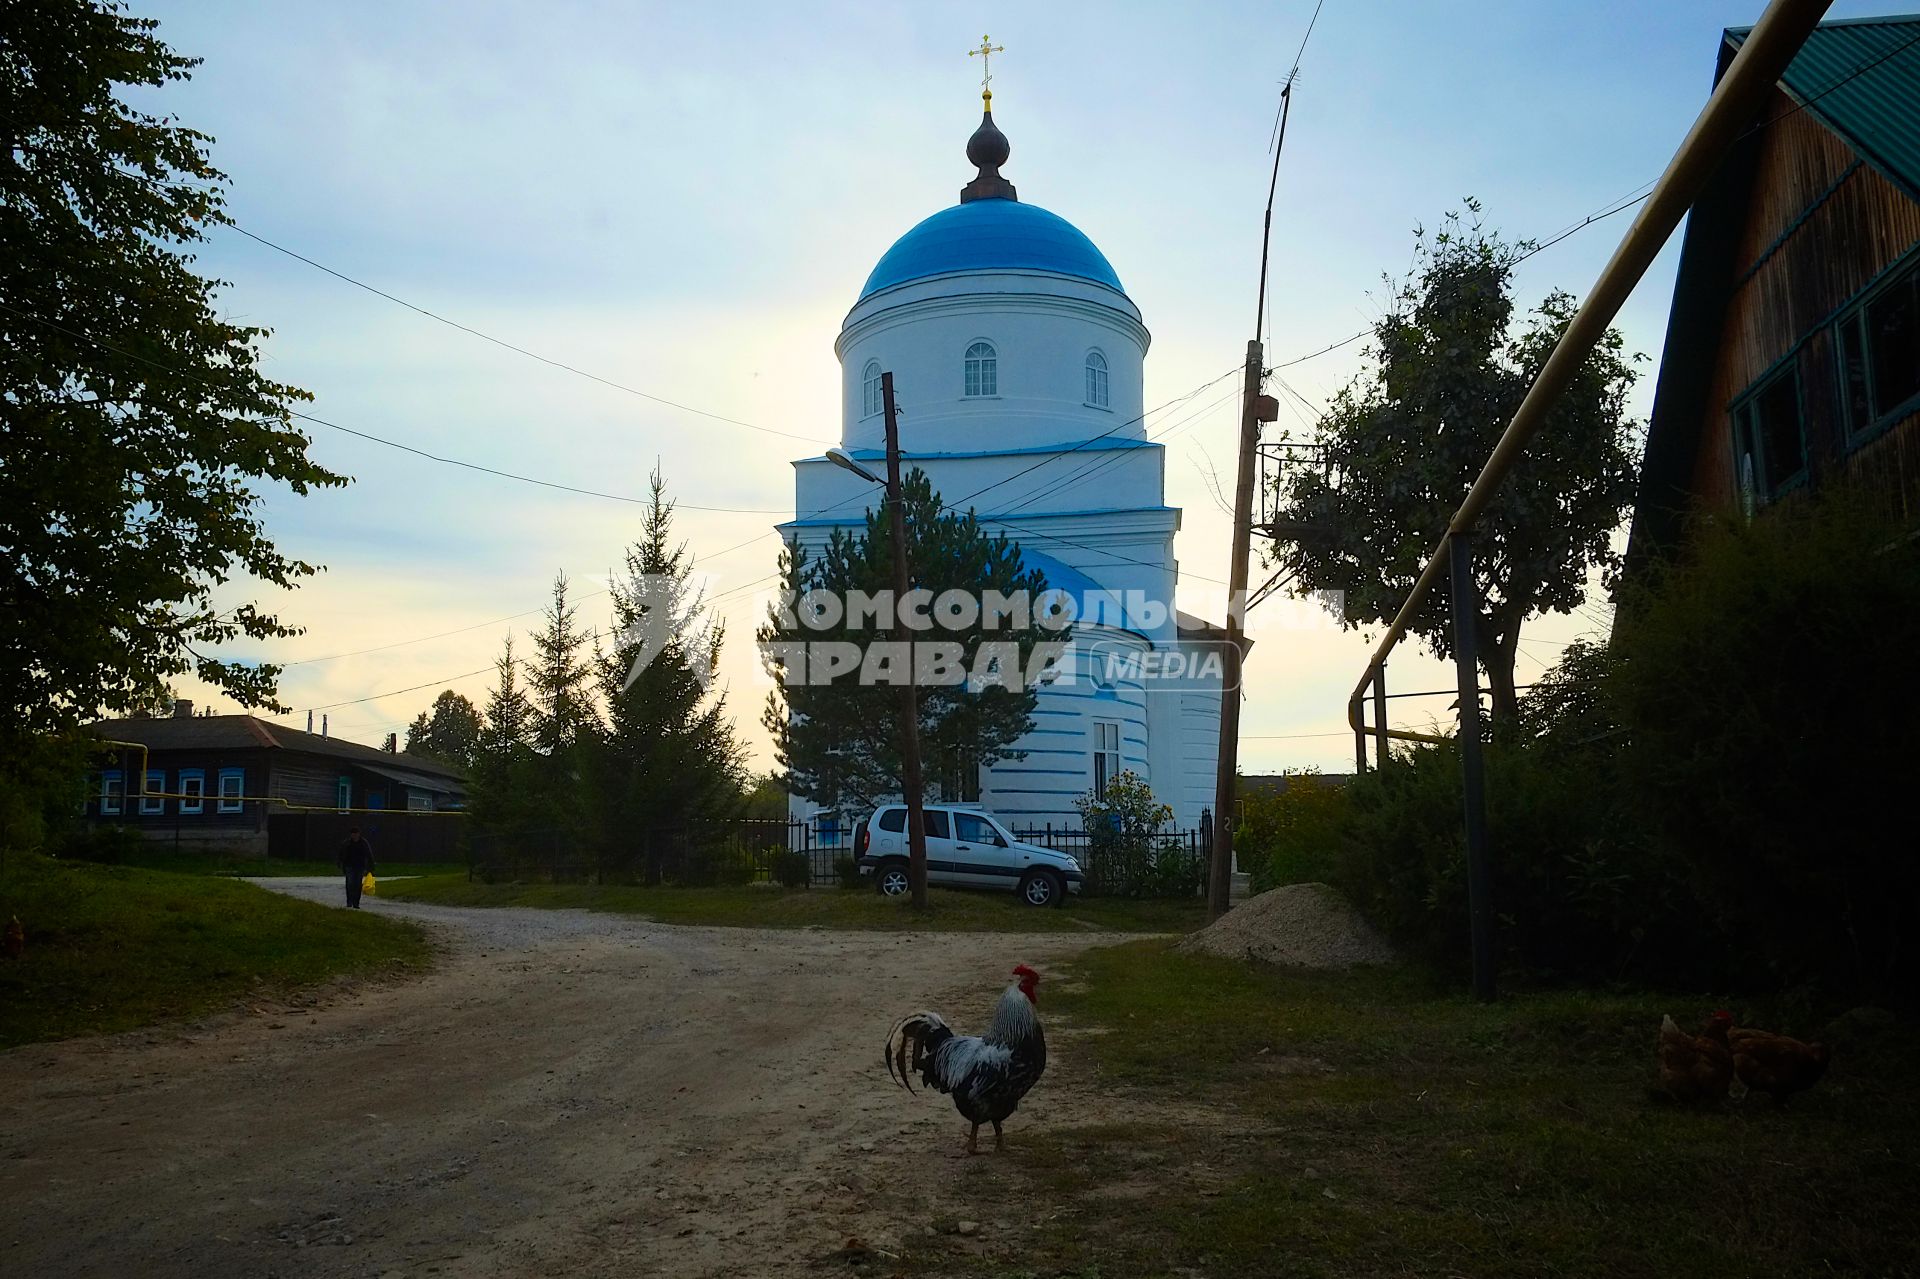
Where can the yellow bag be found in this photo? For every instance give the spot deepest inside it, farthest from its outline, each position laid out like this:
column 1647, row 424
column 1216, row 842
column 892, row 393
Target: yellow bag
column 366, row 884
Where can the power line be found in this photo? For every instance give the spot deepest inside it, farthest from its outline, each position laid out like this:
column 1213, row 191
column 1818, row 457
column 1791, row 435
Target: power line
column 374, row 697
column 422, row 639
column 518, row 350
column 1621, row 207
column 392, row 444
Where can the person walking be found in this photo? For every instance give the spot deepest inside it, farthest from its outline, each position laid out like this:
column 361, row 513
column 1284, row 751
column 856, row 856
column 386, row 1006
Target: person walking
column 356, row 863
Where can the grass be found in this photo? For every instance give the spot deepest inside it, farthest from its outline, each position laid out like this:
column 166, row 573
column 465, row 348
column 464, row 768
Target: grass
column 1285, row 1123
column 109, row 948
column 762, row 907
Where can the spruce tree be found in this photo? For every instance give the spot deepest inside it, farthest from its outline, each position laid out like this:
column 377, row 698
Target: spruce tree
column 669, row 757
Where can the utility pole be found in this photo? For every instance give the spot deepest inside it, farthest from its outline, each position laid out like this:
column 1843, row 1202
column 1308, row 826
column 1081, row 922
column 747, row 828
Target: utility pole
column 909, row 699
column 1226, row 789
column 1227, row 782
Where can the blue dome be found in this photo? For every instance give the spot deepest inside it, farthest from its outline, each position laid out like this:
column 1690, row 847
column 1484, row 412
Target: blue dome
column 989, row 235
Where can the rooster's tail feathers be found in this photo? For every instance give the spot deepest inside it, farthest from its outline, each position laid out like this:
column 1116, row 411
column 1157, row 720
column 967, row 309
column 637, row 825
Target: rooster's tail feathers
column 910, row 1045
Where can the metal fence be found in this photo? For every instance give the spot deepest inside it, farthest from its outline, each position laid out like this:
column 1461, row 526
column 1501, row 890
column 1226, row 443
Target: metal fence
column 813, row 853
column 1163, row 864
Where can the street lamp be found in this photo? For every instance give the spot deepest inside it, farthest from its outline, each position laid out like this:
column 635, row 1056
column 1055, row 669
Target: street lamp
column 909, row 701
column 844, row 460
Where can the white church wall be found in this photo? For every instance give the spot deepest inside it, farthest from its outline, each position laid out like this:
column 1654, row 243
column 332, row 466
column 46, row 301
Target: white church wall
column 1041, row 328
column 1040, row 790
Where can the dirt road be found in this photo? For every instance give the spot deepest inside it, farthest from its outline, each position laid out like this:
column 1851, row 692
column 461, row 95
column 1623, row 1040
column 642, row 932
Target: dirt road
column 566, row 1093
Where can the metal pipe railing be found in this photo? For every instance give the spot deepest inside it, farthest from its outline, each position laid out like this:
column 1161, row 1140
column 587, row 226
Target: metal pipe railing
column 1755, row 69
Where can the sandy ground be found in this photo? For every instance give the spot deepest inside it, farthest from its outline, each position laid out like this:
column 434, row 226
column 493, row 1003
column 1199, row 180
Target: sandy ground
column 566, row 1093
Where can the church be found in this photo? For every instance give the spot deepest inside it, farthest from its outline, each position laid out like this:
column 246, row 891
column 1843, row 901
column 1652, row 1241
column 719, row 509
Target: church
column 1018, row 362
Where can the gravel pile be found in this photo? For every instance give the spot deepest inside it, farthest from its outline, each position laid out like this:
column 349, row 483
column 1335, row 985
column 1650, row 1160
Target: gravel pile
column 1302, row 925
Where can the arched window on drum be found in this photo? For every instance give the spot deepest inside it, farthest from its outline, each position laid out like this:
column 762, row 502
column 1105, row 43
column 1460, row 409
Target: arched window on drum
column 1098, row 394
column 982, row 371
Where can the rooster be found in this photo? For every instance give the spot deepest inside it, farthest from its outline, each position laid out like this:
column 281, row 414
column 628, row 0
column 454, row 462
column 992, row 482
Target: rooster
column 987, row 1074
column 1696, row 1068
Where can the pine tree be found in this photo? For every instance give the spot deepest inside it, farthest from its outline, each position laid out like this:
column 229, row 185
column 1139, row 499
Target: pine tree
column 559, row 679
column 669, row 756
column 839, row 742
column 505, row 791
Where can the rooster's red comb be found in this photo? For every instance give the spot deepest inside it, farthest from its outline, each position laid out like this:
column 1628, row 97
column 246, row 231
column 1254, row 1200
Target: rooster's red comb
column 1021, row 970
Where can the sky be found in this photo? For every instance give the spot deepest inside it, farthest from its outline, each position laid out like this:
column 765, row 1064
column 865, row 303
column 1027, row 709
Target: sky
column 685, row 199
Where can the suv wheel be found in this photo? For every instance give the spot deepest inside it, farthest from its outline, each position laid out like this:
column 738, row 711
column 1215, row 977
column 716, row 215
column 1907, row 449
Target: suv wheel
column 892, row 880
column 1042, row 888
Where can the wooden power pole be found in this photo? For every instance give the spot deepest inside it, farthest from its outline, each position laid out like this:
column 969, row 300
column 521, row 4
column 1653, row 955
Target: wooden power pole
column 1227, row 784
column 1226, row 790
column 909, row 699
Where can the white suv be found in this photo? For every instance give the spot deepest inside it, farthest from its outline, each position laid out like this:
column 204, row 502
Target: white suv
column 966, row 848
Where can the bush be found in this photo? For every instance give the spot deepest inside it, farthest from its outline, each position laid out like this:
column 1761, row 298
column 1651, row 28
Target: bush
column 1143, row 866
column 847, row 871
column 1292, row 836
column 107, row 845
column 791, row 869
column 1127, row 854
column 1707, row 801
column 1768, row 687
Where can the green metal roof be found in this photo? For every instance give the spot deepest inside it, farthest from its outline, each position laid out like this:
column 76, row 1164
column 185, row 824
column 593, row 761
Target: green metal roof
column 1861, row 78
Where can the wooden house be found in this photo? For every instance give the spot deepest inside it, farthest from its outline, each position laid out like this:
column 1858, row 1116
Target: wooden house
column 1792, row 356
column 219, row 779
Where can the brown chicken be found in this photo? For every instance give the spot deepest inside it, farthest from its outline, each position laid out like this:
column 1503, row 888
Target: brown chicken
column 1776, row 1065
column 1696, row 1069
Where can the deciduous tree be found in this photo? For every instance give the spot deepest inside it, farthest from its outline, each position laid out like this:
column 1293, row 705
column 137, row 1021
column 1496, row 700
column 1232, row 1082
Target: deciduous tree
column 449, row 733
column 137, row 427
column 1405, row 441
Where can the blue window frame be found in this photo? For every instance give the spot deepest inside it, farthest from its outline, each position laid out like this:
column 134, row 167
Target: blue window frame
column 193, row 788
column 983, row 371
column 113, row 791
column 343, row 793
column 233, row 788
column 151, row 805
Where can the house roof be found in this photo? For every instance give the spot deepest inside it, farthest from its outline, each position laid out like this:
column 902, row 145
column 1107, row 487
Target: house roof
column 245, row 732
column 1859, row 78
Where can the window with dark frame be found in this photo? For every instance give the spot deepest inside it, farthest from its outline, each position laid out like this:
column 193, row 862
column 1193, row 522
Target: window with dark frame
column 1769, row 440
column 1878, row 345
column 1106, row 753
column 113, row 790
column 960, row 780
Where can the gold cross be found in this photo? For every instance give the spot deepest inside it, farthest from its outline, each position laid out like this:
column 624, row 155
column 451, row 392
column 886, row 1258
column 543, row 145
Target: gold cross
column 985, row 53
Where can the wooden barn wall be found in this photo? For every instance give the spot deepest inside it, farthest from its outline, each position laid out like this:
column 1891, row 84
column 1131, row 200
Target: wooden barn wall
column 1852, row 224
